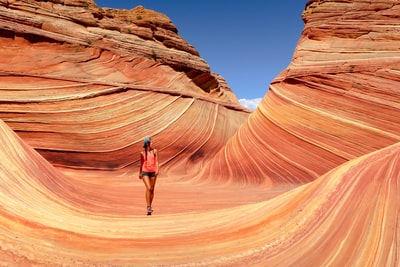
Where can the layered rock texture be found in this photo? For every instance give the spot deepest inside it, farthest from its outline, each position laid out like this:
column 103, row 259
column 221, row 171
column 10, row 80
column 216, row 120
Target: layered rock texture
column 308, row 179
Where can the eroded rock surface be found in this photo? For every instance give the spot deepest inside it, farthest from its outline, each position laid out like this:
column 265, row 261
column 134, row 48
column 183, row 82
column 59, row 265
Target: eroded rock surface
column 84, row 85
column 308, row 179
column 337, row 100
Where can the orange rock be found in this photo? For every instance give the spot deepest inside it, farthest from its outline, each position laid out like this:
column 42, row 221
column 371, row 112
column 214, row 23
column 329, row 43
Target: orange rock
column 337, row 100
column 308, row 179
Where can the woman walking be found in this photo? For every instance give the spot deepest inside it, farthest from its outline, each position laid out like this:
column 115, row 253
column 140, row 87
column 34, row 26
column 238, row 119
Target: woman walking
column 148, row 171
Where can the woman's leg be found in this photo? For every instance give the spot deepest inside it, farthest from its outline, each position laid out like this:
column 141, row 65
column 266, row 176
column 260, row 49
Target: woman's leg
column 148, row 184
column 152, row 187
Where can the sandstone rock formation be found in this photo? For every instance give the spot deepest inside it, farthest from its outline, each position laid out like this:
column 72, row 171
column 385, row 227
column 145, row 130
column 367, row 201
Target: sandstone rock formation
column 308, row 179
column 347, row 216
column 89, row 81
column 337, row 100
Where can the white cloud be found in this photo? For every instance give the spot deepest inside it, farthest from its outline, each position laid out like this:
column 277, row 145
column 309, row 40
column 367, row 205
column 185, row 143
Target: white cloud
column 250, row 103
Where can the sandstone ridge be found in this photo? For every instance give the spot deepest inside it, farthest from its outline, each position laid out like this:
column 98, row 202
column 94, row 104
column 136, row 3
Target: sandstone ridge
column 93, row 73
column 308, row 179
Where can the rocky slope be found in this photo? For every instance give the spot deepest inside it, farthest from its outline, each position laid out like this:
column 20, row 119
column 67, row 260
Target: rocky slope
column 85, row 85
column 308, row 179
column 337, row 100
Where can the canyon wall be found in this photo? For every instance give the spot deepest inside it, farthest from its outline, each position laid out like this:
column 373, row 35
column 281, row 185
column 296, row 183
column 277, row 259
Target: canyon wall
column 84, row 85
column 337, row 100
column 310, row 178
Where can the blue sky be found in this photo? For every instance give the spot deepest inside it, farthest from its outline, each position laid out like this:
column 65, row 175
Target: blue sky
column 247, row 42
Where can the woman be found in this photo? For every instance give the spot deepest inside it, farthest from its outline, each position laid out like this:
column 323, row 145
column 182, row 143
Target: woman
column 148, row 171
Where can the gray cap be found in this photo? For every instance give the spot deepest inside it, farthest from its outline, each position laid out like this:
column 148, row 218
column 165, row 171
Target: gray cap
column 147, row 140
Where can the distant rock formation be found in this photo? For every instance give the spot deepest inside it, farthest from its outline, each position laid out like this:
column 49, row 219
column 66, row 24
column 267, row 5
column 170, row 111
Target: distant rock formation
column 308, row 179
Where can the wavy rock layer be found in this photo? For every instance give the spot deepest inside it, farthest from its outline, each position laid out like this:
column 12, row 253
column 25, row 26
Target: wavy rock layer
column 337, row 100
column 346, row 217
column 309, row 179
column 85, row 85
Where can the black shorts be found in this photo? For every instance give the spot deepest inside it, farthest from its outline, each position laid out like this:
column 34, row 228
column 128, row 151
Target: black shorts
column 149, row 174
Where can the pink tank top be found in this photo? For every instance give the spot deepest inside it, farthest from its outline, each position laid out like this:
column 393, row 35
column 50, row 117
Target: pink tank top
column 149, row 163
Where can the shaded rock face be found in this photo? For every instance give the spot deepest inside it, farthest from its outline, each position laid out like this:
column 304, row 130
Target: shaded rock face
column 308, row 179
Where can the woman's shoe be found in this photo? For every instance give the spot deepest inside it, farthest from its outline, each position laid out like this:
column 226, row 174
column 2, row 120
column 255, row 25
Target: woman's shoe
column 149, row 210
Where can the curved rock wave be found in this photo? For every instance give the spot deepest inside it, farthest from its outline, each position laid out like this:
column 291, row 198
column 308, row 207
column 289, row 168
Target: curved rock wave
column 310, row 178
column 337, row 100
column 340, row 218
column 85, row 94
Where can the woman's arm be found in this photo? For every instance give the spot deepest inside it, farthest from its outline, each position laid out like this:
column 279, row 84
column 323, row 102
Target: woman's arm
column 156, row 156
column 141, row 164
